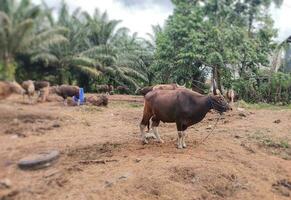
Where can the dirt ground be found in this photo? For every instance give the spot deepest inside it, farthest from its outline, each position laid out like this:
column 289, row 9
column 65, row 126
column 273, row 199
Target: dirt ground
column 247, row 157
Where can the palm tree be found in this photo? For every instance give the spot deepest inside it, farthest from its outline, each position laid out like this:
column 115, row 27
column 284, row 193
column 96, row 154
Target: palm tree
column 96, row 49
column 68, row 57
column 18, row 33
column 114, row 49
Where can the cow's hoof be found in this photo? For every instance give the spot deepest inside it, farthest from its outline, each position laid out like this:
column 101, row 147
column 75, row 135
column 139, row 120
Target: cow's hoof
column 161, row 141
column 150, row 135
column 180, row 147
column 184, row 146
column 145, row 141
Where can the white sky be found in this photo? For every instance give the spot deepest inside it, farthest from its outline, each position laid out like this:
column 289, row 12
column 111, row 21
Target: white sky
column 139, row 15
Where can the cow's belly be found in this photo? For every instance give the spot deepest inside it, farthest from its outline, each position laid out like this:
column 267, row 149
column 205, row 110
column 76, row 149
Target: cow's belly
column 169, row 117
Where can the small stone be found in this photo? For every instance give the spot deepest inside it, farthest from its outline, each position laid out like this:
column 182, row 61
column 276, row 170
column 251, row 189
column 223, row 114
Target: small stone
column 208, row 127
column 14, row 137
column 56, row 125
column 108, row 184
column 195, row 179
column 242, row 114
column 124, row 176
column 15, row 121
column 5, row 183
column 137, row 160
column 240, row 109
column 277, row 121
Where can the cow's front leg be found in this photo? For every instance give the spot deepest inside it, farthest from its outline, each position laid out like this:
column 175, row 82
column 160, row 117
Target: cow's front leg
column 184, row 139
column 143, row 135
column 65, row 102
column 156, row 132
column 180, row 135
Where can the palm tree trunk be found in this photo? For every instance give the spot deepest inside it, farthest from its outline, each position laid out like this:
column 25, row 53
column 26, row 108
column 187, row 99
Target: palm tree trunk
column 8, row 67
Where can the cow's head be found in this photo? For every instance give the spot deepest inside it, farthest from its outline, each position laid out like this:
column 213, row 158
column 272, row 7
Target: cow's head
column 143, row 91
column 217, row 101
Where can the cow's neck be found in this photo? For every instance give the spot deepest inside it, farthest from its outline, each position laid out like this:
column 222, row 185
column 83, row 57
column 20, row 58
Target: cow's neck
column 202, row 107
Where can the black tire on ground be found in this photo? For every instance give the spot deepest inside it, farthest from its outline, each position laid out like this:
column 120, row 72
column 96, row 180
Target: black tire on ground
column 40, row 160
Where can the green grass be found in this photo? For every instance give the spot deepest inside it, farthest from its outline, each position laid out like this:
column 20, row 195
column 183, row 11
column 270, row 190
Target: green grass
column 267, row 141
column 135, row 105
column 258, row 106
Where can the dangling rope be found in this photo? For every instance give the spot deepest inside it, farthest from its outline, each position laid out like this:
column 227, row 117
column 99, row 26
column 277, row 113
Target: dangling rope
column 218, row 118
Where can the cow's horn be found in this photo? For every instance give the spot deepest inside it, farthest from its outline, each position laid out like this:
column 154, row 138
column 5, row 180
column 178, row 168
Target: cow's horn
column 214, row 87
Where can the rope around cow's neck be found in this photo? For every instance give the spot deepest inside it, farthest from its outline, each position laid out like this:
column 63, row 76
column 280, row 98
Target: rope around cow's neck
column 218, row 118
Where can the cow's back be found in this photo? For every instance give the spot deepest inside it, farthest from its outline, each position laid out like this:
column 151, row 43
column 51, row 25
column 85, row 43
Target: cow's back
column 68, row 91
column 41, row 84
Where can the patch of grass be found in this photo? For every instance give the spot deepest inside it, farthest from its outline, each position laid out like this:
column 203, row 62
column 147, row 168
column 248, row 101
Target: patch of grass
column 91, row 109
column 258, row 106
column 267, row 141
column 135, row 105
column 285, row 144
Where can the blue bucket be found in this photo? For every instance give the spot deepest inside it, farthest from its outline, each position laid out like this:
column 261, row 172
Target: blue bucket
column 81, row 95
column 81, row 98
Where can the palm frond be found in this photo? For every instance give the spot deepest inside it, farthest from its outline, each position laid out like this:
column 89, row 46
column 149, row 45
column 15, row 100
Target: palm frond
column 94, row 73
column 44, row 56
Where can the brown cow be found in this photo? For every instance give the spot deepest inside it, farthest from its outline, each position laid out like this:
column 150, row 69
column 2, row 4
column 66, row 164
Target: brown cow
column 122, row 89
column 66, row 91
column 143, row 91
column 172, row 86
column 104, row 88
column 7, row 88
column 181, row 106
column 29, row 88
column 231, row 96
column 42, row 87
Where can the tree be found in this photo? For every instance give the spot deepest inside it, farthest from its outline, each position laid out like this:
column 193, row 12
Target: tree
column 18, row 33
column 215, row 34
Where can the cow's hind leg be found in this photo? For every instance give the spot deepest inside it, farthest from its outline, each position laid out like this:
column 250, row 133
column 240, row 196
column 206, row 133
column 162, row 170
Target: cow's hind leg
column 143, row 134
column 142, row 126
column 147, row 115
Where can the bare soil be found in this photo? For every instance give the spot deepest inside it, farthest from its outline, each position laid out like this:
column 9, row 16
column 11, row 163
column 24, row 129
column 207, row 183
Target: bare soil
column 247, row 157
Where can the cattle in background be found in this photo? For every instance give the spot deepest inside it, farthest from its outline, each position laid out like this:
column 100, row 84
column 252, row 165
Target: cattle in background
column 108, row 89
column 66, row 91
column 172, row 86
column 122, row 90
column 231, row 96
column 8, row 88
column 143, row 91
column 42, row 87
column 29, row 88
column 181, row 106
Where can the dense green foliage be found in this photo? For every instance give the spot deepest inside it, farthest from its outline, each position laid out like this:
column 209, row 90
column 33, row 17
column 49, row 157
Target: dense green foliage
column 229, row 39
